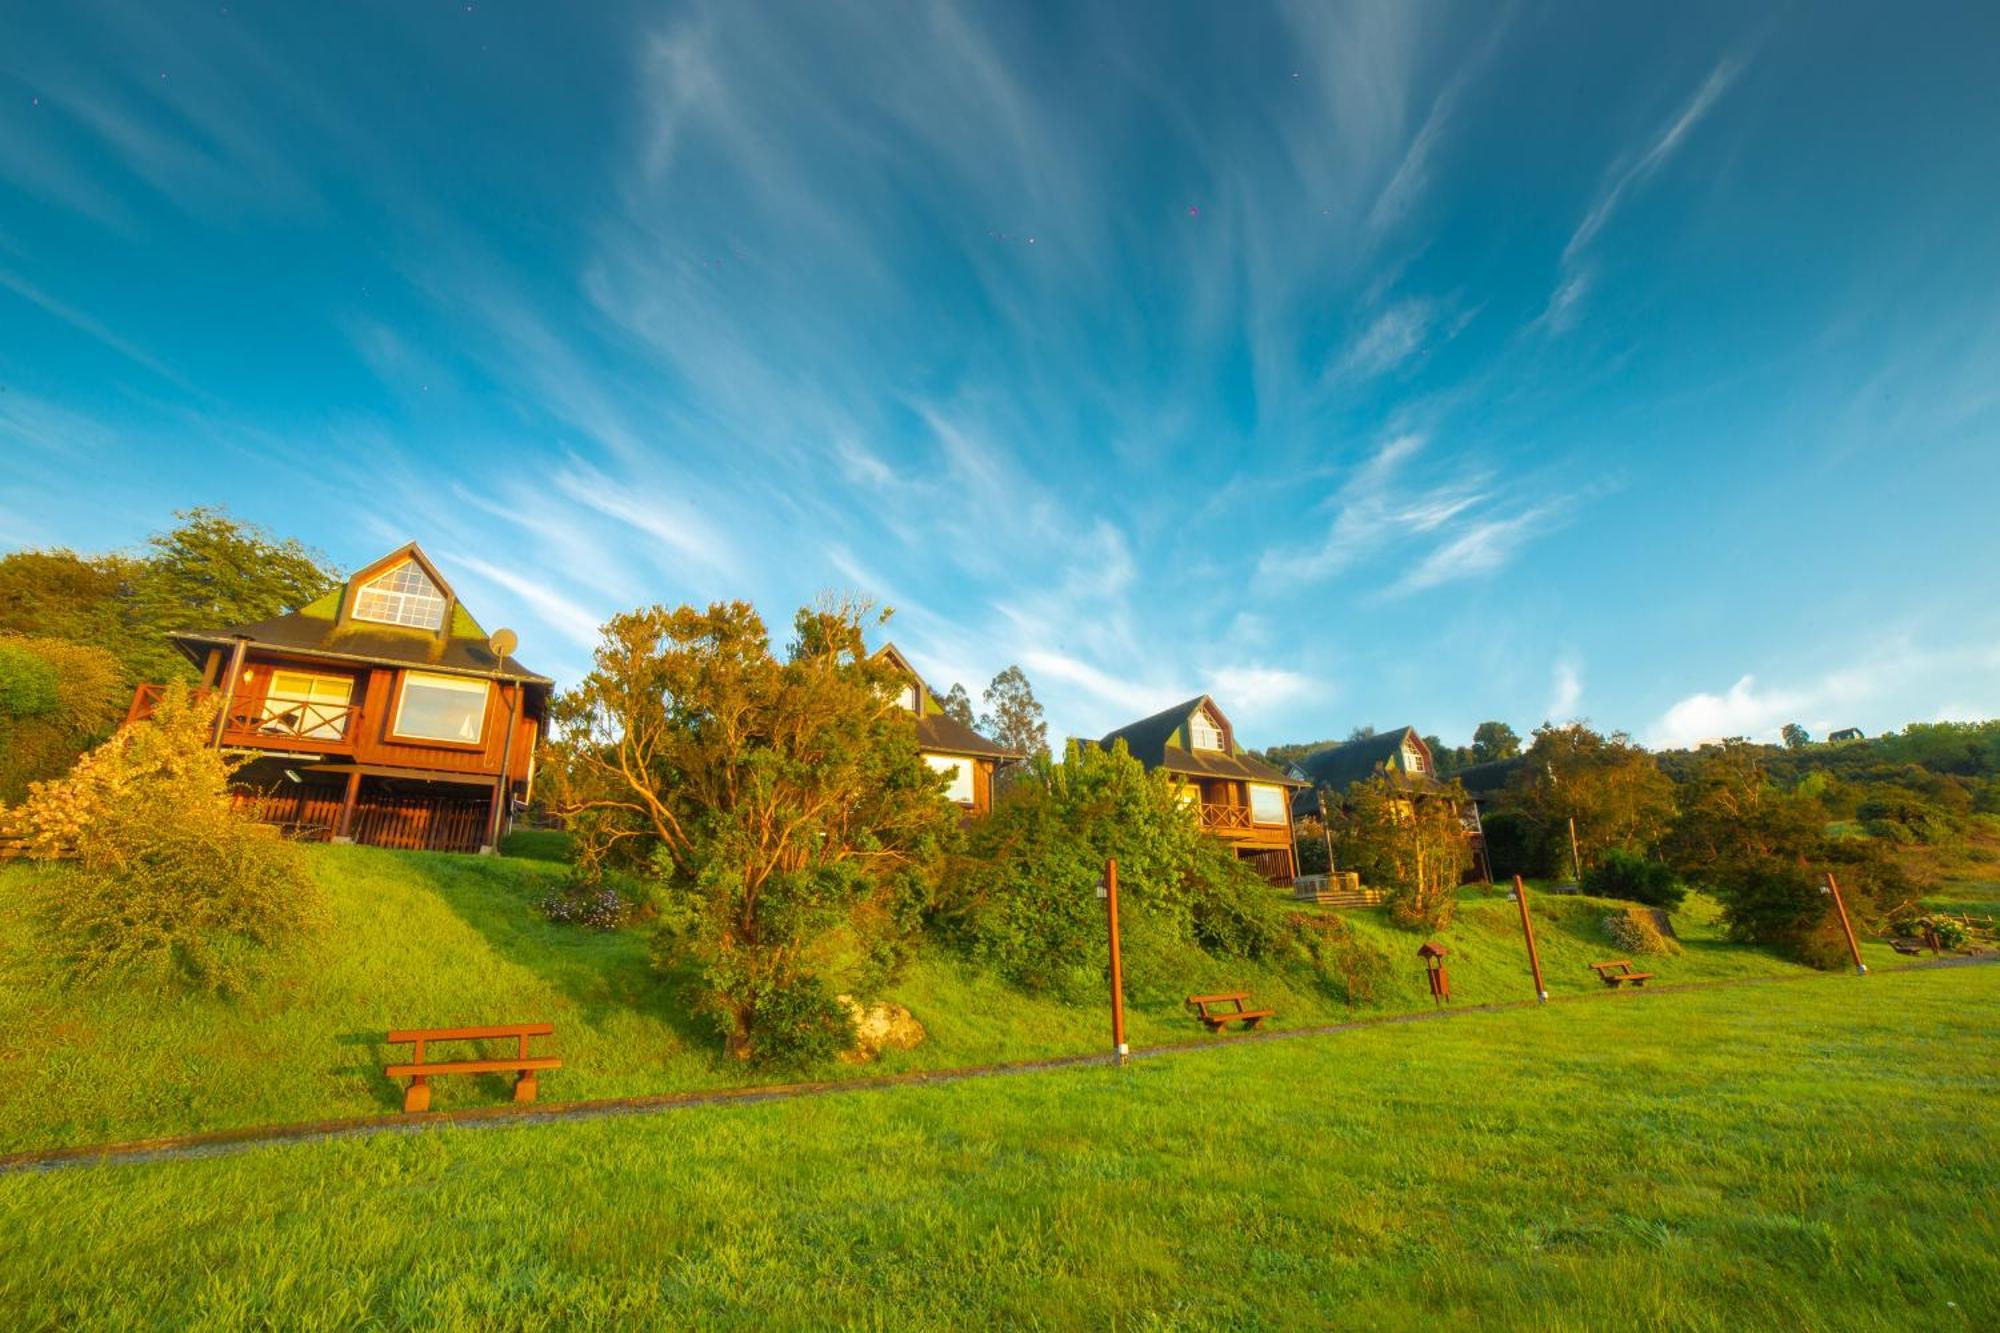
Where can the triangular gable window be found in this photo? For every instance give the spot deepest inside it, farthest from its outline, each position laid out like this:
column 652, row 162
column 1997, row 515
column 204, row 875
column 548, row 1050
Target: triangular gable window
column 402, row 596
column 1204, row 731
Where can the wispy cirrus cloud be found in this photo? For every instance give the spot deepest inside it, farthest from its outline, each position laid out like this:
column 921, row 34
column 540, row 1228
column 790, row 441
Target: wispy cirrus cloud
column 1622, row 181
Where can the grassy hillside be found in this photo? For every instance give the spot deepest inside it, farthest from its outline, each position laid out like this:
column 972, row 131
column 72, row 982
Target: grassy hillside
column 431, row 940
column 1799, row 1156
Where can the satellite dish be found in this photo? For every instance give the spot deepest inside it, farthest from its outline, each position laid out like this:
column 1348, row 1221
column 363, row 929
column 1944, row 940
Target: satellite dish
column 503, row 643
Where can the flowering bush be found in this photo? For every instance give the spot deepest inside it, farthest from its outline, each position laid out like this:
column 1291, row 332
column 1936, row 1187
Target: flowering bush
column 598, row 906
column 170, row 880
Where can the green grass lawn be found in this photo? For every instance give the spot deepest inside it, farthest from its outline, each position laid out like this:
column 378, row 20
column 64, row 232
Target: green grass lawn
column 1814, row 1155
column 434, row 940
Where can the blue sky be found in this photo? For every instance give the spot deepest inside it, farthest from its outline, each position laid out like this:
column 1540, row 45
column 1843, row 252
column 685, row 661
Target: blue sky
column 1371, row 364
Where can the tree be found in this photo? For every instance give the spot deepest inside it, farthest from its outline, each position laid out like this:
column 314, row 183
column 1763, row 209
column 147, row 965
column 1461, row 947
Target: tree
column 1013, row 718
column 779, row 803
column 1023, row 903
column 1610, row 786
column 1764, row 851
column 58, row 594
column 1494, row 740
column 1360, row 733
column 207, row 572
column 1412, row 847
column 1796, row 736
column 212, row 570
column 958, row 704
column 57, row 699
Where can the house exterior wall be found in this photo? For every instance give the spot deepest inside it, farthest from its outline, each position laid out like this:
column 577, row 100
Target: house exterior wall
column 368, row 737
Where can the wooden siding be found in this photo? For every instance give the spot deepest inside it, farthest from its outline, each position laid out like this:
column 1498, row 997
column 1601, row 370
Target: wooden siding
column 368, row 737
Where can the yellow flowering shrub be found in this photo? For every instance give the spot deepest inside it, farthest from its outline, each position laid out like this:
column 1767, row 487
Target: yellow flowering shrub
column 170, row 879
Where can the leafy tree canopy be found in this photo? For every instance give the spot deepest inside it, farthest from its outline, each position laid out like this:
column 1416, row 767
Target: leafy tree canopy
column 1494, row 740
column 1013, row 717
column 958, row 704
column 778, row 802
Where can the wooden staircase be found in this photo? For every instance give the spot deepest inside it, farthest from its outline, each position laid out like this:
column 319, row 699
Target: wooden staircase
column 1340, row 889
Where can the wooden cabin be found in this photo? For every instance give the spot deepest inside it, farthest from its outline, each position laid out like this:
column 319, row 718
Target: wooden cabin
column 1242, row 800
column 1401, row 756
column 948, row 745
column 381, row 713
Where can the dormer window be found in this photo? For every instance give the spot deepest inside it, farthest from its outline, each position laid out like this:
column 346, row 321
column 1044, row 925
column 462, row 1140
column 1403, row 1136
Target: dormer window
column 1204, row 733
column 908, row 698
column 1413, row 759
column 402, row 596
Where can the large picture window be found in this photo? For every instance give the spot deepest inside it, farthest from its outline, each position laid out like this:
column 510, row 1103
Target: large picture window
column 960, row 771
column 441, row 708
column 402, row 596
column 1267, row 804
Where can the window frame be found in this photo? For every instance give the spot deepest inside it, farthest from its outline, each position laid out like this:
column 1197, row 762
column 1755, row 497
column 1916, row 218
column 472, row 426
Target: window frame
column 940, row 763
column 463, row 683
column 1284, row 805
column 437, row 593
column 1203, row 720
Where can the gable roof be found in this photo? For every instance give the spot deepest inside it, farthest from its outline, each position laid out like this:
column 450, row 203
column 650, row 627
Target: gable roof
column 326, row 627
column 937, row 730
column 1484, row 780
column 1340, row 766
column 1159, row 742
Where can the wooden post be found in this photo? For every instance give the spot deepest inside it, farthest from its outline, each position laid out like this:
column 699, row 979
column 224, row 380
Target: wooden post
column 1108, row 890
column 229, row 688
column 344, row 831
column 497, row 817
column 1847, row 926
column 1575, row 860
column 1528, row 933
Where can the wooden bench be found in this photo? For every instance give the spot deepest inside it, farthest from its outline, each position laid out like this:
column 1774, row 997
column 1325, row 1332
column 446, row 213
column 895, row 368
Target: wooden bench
column 1217, row 1012
column 420, row 1071
column 1620, row 973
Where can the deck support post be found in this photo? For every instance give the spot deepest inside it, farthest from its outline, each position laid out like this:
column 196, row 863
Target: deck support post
column 235, row 674
column 343, row 832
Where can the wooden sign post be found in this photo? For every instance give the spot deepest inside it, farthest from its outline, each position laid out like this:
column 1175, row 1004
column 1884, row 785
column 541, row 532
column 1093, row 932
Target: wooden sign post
column 1846, row 926
column 1107, row 889
column 1528, row 932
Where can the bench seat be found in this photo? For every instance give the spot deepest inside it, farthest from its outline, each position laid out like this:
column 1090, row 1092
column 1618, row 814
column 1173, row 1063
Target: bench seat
column 533, row 1062
column 420, row 1070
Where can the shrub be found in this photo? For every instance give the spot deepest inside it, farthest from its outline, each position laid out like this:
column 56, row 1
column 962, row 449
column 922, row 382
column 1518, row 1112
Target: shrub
column 170, row 880
column 1634, row 931
column 1025, row 902
column 57, row 699
column 1635, row 879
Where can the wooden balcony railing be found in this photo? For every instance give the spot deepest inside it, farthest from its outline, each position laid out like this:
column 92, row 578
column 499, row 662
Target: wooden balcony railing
column 276, row 719
column 1225, row 816
column 292, row 718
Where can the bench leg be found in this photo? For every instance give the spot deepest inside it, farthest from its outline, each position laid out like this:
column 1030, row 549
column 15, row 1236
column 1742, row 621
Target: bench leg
column 418, row 1098
column 524, row 1086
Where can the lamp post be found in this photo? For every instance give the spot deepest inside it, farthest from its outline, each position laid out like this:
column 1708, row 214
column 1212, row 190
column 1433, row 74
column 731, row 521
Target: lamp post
column 1528, row 933
column 1846, row 926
